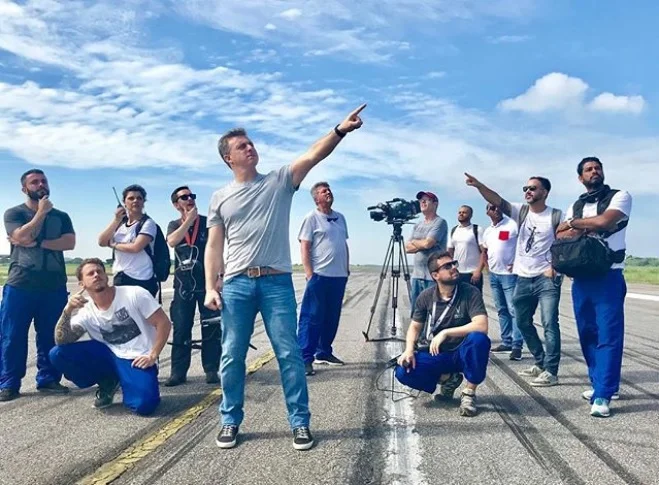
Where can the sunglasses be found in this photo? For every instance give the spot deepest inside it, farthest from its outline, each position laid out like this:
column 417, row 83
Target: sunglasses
column 491, row 208
column 532, row 188
column 187, row 197
column 447, row 266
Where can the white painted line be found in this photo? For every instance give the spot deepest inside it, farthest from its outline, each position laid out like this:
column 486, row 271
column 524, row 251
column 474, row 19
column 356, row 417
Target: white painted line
column 641, row 296
column 404, row 448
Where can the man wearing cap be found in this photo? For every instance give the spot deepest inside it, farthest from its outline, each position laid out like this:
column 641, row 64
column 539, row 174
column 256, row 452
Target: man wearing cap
column 428, row 236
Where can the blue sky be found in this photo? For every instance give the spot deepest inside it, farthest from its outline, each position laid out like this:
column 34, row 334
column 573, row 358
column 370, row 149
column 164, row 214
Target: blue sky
column 109, row 93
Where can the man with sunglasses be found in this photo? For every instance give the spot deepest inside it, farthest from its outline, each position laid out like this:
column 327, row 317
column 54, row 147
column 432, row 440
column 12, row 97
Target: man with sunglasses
column 188, row 236
column 537, row 282
column 428, row 236
column 499, row 243
column 599, row 302
column 447, row 337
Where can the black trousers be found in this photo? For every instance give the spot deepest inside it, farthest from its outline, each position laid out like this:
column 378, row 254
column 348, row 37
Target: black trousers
column 466, row 278
column 182, row 312
column 122, row 279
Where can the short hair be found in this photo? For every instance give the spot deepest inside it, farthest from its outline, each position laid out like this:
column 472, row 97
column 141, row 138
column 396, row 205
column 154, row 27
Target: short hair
column 316, row 186
column 174, row 197
column 85, row 262
column 134, row 188
column 432, row 259
column 471, row 210
column 30, row 172
column 223, row 143
column 546, row 184
column 583, row 162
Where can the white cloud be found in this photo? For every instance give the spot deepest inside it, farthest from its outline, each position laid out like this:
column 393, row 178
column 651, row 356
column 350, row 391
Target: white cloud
column 508, row 39
column 270, row 26
column 554, row 91
column 436, row 75
column 617, row 104
column 291, row 13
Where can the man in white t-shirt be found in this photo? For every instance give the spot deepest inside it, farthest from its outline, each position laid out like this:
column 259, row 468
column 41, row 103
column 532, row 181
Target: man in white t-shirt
column 499, row 244
column 324, row 247
column 537, row 282
column 128, row 330
column 464, row 244
column 599, row 302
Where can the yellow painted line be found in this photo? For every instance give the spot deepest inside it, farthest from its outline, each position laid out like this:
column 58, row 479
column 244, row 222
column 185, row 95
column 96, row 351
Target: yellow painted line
column 132, row 455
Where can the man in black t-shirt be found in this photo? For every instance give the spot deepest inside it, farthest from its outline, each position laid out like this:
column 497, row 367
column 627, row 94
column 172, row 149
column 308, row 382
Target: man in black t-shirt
column 36, row 286
column 188, row 236
column 449, row 326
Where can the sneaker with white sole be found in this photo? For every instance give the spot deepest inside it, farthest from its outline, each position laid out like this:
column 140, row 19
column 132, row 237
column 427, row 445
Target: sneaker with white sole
column 227, row 437
column 534, row 371
column 588, row 395
column 468, row 403
column 328, row 360
column 546, row 379
column 302, row 439
column 600, row 408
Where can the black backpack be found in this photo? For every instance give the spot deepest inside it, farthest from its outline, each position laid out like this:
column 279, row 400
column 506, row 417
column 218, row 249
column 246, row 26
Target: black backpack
column 475, row 229
column 160, row 254
column 588, row 255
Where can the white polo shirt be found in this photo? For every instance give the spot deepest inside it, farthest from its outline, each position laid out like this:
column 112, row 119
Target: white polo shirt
column 500, row 240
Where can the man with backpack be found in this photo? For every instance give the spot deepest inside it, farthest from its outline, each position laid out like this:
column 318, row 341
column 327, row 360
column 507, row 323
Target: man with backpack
column 537, row 282
column 599, row 297
column 464, row 244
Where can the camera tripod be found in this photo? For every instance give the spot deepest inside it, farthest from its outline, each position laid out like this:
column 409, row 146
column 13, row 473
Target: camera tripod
column 395, row 247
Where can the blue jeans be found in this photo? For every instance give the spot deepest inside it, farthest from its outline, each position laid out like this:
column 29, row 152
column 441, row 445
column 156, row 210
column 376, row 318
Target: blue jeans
column 418, row 285
column 274, row 297
column 600, row 314
column 529, row 292
column 89, row 362
column 319, row 316
column 503, row 287
column 19, row 308
column 470, row 358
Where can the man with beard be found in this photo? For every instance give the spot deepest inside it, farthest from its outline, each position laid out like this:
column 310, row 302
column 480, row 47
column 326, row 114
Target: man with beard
column 128, row 330
column 188, row 236
column 428, row 237
column 537, row 282
column 449, row 325
column 253, row 214
column 324, row 247
column 464, row 243
column 36, row 285
column 599, row 301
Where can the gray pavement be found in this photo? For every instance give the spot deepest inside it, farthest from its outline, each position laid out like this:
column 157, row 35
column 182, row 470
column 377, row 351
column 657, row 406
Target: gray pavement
column 521, row 435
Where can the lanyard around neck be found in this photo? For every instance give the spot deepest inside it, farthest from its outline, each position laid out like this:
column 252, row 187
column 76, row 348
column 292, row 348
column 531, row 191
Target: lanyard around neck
column 433, row 326
column 191, row 240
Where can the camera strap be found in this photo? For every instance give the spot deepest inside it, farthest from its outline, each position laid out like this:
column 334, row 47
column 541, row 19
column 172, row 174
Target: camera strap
column 192, row 239
column 432, row 327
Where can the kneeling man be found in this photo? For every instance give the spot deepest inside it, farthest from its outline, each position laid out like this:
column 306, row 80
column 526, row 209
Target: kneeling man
column 128, row 331
column 449, row 324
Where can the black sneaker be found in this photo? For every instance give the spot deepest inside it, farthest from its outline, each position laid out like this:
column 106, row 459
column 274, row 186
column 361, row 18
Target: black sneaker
column 515, row 354
column 9, row 394
column 53, row 388
column 105, row 393
column 212, row 378
column 308, row 369
column 175, row 380
column 329, row 360
column 302, row 439
column 227, row 437
column 501, row 349
column 449, row 386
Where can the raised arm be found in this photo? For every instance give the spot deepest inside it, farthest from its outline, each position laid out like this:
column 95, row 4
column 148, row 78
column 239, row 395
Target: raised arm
column 175, row 237
column 105, row 237
column 26, row 234
column 488, row 194
column 323, row 147
column 64, row 332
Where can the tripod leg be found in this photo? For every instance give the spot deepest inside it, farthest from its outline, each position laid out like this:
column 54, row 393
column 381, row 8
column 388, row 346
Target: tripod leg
column 406, row 272
column 383, row 275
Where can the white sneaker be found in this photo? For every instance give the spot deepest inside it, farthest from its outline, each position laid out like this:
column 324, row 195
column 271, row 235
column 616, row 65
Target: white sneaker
column 534, row 371
column 588, row 395
column 600, row 408
column 546, row 379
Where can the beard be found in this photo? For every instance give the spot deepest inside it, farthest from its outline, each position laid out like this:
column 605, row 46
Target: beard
column 593, row 185
column 37, row 195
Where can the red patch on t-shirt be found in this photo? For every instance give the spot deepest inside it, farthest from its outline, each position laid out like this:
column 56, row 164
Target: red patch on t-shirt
column 504, row 235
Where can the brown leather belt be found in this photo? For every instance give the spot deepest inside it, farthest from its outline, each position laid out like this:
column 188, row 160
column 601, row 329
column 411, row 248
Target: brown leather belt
column 258, row 271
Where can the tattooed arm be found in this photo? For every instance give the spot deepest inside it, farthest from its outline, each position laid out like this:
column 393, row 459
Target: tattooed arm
column 64, row 332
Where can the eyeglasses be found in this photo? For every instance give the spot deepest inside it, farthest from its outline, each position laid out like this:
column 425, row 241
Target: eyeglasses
column 187, row 196
column 530, row 240
column 532, row 188
column 447, row 266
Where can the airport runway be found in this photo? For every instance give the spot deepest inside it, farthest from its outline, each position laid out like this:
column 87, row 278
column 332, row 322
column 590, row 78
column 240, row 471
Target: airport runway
column 522, row 435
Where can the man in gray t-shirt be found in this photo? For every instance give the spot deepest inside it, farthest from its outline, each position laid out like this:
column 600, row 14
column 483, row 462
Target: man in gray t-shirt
column 252, row 213
column 428, row 236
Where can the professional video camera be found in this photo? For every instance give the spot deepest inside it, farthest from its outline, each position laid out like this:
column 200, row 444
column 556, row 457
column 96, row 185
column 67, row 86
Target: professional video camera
column 395, row 210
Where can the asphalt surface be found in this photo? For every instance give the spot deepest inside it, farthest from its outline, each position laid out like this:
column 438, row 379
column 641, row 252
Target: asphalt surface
column 521, row 434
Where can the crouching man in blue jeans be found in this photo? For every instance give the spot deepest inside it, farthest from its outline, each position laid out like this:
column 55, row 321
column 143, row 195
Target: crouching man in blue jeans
column 450, row 321
column 128, row 330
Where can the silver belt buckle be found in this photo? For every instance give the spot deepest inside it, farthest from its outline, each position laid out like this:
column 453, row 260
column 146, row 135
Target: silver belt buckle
column 254, row 272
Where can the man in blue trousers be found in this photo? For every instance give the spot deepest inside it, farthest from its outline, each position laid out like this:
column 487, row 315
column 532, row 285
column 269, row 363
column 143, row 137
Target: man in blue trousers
column 599, row 301
column 36, row 286
column 323, row 241
column 447, row 337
